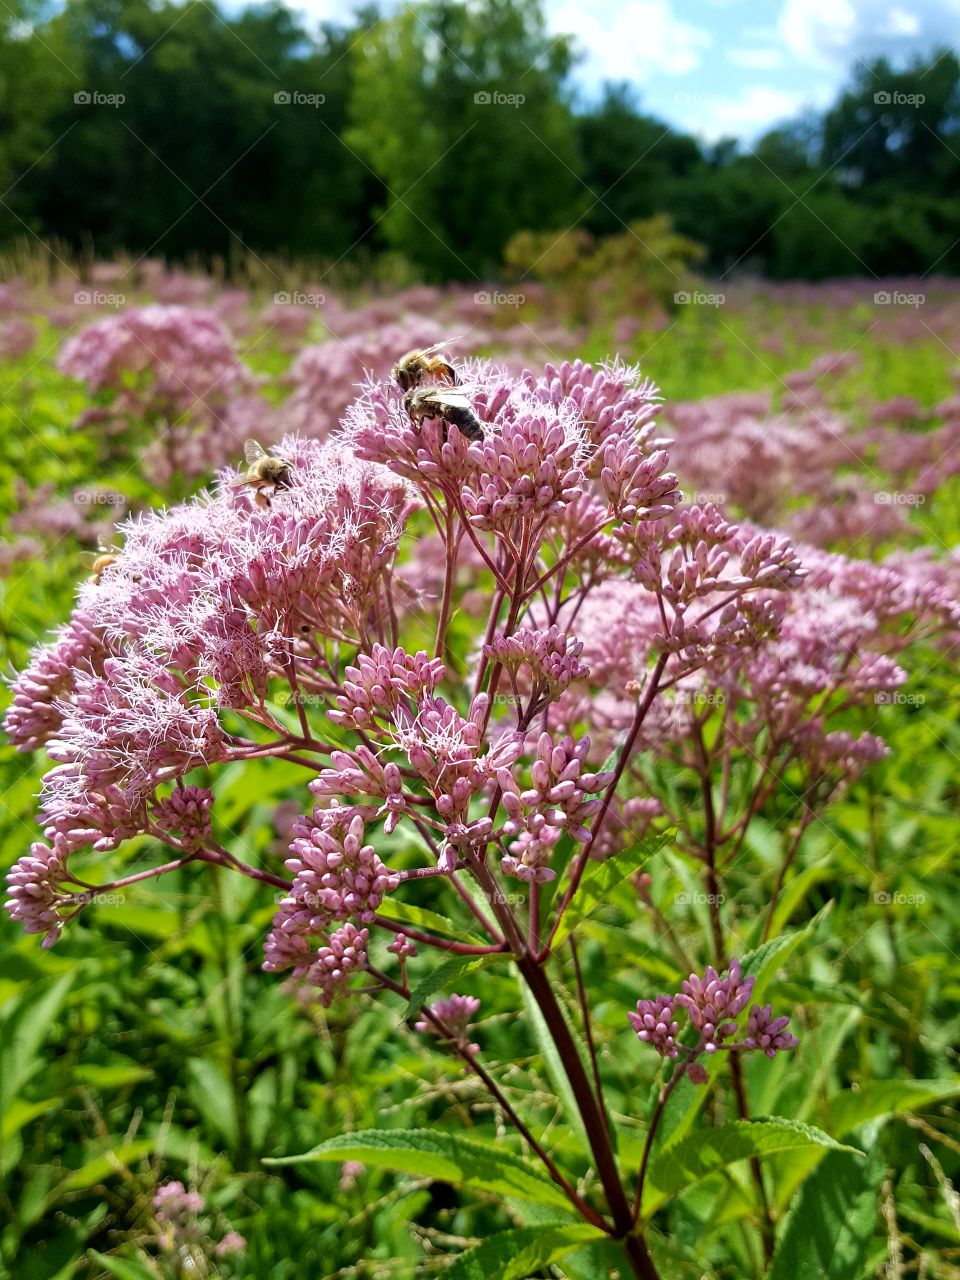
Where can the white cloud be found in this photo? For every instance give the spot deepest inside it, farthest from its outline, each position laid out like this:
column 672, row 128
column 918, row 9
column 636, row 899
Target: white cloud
column 746, row 114
column 839, row 32
column 756, row 59
column 628, row 41
column 324, row 10
column 754, row 110
column 902, row 23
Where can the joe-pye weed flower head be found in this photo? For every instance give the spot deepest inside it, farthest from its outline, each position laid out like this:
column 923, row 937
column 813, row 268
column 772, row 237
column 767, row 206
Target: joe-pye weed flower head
column 494, row 763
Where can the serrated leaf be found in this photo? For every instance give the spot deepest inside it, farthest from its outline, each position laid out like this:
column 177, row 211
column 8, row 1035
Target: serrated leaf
column 827, row 1233
column 601, row 878
column 446, row 976
column 433, row 1154
column 680, row 1164
column 512, row 1255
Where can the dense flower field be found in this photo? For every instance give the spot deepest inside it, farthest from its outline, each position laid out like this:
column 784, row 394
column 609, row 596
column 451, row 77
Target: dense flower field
column 507, row 832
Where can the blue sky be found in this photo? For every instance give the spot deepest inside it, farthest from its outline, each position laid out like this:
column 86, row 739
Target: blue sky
column 731, row 67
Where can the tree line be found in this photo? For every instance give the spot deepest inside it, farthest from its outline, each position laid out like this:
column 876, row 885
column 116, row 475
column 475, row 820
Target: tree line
column 437, row 133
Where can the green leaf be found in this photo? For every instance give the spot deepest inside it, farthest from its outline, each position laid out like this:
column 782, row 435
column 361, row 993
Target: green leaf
column 213, row 1095
column 827, row 1233
column 433, row 1154
column 20, row 1113
column 512, row 1255
column 422, row 918
column 103, row 1166
column 446, row 976
column 110, row 1075
column 850, row 1109
column 795, row 891
column 680, row 1164
column 22, row 1032
column 763, row 962
column 119, row 1268
column 601, row 878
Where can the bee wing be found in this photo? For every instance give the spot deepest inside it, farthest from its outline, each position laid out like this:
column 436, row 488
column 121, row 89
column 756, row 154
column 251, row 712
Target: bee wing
column 448, row 398
column 253, row 451
column 438, row 346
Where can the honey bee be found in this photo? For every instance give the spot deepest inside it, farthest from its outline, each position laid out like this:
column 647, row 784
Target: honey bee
column 265, row 475
column 450, row 404
column 419, row 367
column 103, row 561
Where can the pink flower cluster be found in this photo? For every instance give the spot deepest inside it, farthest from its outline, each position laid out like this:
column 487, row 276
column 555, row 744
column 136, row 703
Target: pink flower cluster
column 555, row 802
column 316, row 628
column 335, row 875
column 530, row 470
column 382, row 684
column 540, row 664
column 180, row 1233
column 454, row 1015
column 712, row 1006
column 810, row 468
column 174, row 368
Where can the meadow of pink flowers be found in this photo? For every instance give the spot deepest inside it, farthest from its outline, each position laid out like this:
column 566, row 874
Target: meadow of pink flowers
column 491, row 648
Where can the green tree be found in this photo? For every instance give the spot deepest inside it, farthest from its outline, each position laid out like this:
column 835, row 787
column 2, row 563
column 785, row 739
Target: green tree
column 630, row 159
column 200, row 156
column 461, row 112
column 37, row 77
column 895, row 125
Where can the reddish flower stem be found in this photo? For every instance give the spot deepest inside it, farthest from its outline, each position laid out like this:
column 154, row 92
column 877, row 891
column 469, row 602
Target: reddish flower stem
column 450, row 546
column 679, row 1071
column 564, row 560
column 588, row 1031
column 643, row 706
column 586, row 1210
column 443, row 944
column 593, row 1120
